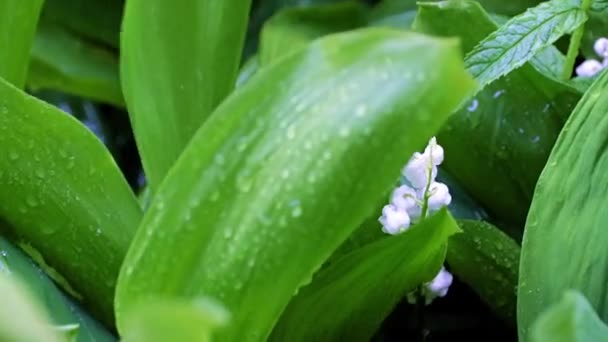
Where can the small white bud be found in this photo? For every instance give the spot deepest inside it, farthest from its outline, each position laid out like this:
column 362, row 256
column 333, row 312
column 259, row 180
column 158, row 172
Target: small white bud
column 404, row 198
column 588, row 68
column 438, row 287
column 601, row 47
column 393, row 220
column 439, row 196
column 434, row 151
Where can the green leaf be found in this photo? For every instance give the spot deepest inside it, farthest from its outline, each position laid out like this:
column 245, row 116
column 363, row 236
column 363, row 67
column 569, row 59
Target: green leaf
column 178, row 62
column 241, row 219
column 294, row 28
column 60, row 309
column 398, row 14
column 21, row 319
column 487, row 260
column 515, row 118
column 18, row 20
column 565, row 239
column 517, row 41
column 175, row 320
column 63, row 61
column 348, row 300
column 61, row 192
column 94, row 20
column 570, row 320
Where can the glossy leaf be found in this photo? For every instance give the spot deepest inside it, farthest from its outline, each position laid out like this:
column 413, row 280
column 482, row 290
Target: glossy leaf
column 61, row 310
column 571, row 320
column 178, row 320
column 517, row 41
column 95, row 20
column 348, row 300
column 487, row 260
column 516, row 118
column 294, row 28
column 61, row 192
column 565, row 239
column 242, row 219
column 194, row 49
column 18, row 20
column 21, row 319
column 63, row 61
column 398, row 14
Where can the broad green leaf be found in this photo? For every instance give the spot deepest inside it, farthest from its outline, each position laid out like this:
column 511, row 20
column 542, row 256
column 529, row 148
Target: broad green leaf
column 175, row 320
column 61, row 310
column 287, row 168
column 95, row 20
column 294, row 28
column 398, row 14
column 487, row 260
column 63, row 61
column 18, row 20
column 517, row 41
column 516, row 118
column 348, row 300
column 178, row 62
column 61, row 192
column 570, row 320
column 20, row 318
column 565, row 239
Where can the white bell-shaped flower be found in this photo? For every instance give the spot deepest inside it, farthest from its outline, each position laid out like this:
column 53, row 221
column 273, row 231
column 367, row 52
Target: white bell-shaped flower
column 601, row 47
column 417, row 170
column 404, row 197
column 439, row 196
column 589, row 68
column 434, row 152
column 394, row 220
column 438, row 287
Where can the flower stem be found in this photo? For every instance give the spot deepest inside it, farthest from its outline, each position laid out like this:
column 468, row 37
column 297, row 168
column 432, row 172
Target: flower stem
column 575, row 44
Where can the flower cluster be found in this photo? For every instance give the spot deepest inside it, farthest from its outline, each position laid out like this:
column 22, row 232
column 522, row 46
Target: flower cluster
column 591, row 67
column 423, row 194
column 410, row 203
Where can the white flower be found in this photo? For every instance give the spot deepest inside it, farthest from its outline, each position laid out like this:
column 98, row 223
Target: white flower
column 394, row 220
column 438, row 287
column 439, row 196
column 404, row 197
column 589, row 68
column 601, row 47
column 434, row 152
column 407, row 201
column 416, row 171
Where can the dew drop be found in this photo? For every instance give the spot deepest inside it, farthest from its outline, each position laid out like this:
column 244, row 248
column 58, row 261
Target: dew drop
column 296, row 211
column 13, row 155
column 97, row 232
column 473, row 106
column 291, row 132
column 327, row 155
column 39, row 173
column 361, row 110
column 215, row 196
column 219, row 159
column 31, row 201
column 344, row 132
column 285, row 174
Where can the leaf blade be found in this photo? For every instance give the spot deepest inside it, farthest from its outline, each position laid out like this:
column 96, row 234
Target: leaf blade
column 566, row 214
column 260, row 206
column 60, row 187
column 344, row 301
column 189, row 80
column 523, row 36
column 18, row 20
